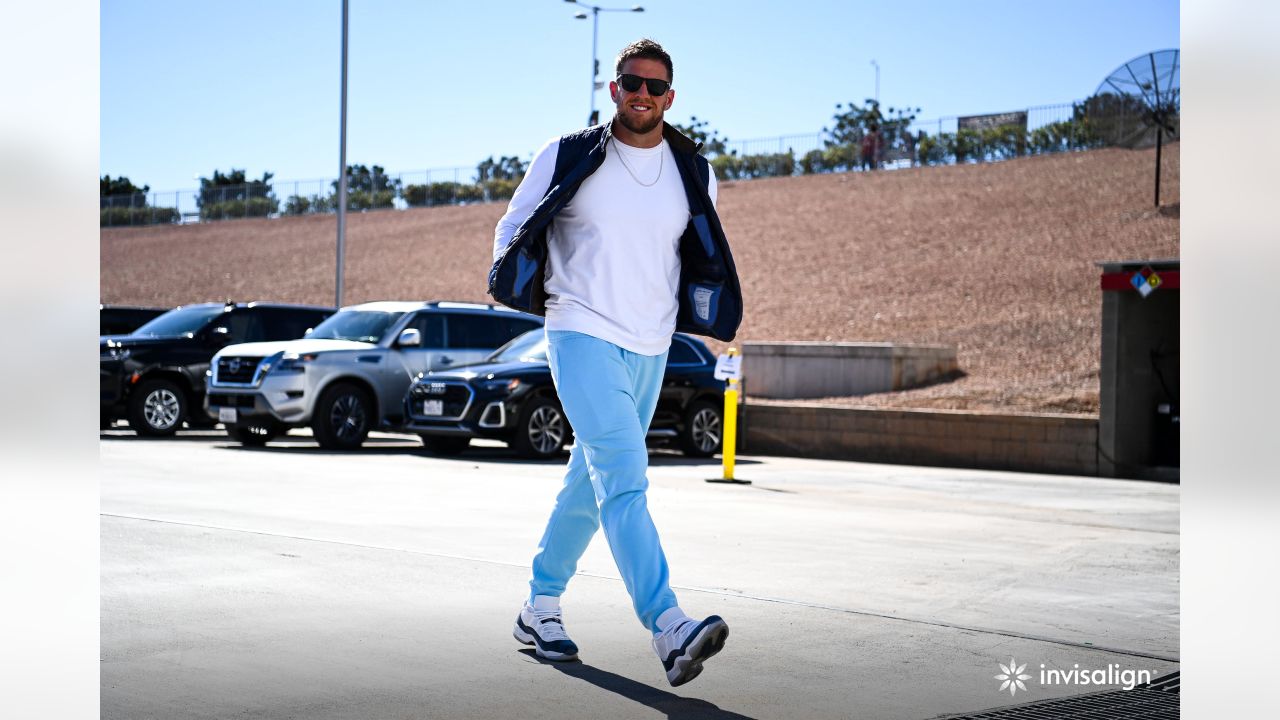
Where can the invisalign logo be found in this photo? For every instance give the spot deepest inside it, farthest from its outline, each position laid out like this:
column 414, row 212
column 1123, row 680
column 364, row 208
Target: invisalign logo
column 1013, row 676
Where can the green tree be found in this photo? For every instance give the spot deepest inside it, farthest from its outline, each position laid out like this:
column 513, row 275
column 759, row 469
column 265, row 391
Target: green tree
column 368, row 188
column 123, row 203
column 505, row 168
column 713, row 144
column 852, row 123
column 232, row 195
column 107, row 187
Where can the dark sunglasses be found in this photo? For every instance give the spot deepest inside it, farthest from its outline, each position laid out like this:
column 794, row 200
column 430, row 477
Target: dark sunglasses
column 631, row 83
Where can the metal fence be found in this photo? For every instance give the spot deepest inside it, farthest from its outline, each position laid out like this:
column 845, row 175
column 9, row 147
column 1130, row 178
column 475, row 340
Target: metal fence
column 899, row 154
column 941, row 141
column 277, row 198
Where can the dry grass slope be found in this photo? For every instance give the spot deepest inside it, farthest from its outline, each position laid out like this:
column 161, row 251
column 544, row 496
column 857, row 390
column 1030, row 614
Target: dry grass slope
column 996, row 259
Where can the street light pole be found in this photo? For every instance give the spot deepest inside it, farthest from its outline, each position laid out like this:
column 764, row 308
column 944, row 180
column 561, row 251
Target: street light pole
column 595, row 64
column 595, row 35
column 342, row 162
column 877, row 67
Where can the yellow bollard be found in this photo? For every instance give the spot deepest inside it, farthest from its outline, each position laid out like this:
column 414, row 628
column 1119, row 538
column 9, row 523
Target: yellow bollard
column 730, row 426
column 729, row 439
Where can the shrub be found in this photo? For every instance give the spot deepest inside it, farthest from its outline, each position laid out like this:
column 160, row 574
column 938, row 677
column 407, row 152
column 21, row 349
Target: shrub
column 112, row 216
column 231, row 209
column 501, row 189
column 441, row 193
column 367, row 200
column 930, row 151
column 297, row 205
column 742, row 167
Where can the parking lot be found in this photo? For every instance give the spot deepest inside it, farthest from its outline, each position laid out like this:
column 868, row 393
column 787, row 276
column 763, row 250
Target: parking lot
column 288, row 581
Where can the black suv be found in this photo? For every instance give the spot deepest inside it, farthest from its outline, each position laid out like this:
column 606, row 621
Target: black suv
column 511, row 397
column 155, row 375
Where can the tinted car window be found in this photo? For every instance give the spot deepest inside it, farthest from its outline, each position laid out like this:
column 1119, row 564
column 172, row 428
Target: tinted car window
column 180, row 321
column 431, row 325
column 285, row 324
column 682, row 353
column 484, row 331
column 121, row 321
column 243, row 326
column 359, row 325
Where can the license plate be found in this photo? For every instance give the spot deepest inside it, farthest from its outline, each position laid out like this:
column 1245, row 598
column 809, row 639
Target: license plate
column 433, row 407
column 226, row 414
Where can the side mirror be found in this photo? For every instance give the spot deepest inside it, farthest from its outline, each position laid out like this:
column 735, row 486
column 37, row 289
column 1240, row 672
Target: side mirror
column 410, row 337
column 220, row 335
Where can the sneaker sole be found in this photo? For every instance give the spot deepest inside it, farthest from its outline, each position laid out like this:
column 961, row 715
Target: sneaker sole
column 526, row 638
column 707, row 642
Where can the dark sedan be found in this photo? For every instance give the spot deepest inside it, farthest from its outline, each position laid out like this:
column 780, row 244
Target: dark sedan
column 510, row 397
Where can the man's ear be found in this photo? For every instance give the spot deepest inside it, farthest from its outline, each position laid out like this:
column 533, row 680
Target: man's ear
column 613, row 90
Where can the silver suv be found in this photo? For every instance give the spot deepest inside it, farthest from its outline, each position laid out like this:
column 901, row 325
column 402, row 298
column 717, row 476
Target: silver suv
column 350, row 374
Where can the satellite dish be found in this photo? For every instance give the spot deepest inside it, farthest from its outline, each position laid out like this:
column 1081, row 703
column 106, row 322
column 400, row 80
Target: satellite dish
column 1138, row 106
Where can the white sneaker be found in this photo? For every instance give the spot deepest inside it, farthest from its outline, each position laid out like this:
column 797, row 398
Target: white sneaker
column 686, row 644
column 544, row 629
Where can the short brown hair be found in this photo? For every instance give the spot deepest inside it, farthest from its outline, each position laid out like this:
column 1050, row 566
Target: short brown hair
column 646, row 49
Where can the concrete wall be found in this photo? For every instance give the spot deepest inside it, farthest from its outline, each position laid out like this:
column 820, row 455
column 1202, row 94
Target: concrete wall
column 1065, row 444
column 789, row 370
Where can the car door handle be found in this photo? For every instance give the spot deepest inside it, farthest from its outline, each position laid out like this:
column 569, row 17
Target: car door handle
column 446, row 360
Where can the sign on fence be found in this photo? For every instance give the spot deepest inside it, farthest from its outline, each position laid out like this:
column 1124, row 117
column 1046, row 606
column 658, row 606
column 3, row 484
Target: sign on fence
column 1017, row 118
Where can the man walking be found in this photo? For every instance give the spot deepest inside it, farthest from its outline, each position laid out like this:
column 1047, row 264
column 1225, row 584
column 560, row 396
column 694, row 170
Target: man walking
column 613, row 237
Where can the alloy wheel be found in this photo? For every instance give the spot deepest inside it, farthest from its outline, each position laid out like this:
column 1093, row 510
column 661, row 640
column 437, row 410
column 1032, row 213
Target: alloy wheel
column 546, row 429
column 706, row 430
column 161, row 408
column 347, row 417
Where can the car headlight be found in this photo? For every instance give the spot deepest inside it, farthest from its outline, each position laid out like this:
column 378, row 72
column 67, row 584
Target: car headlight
column 508, row 385
column 284, row 363
column 113, row 352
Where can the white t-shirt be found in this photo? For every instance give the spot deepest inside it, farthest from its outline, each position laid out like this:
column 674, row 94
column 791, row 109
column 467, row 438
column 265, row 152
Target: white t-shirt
column 613, row 267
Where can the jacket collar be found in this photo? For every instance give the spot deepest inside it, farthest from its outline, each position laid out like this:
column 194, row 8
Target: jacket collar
column 679, row 141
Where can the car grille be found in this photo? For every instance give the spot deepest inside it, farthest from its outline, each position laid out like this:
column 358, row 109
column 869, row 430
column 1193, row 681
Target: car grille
column 237, row 369
column 456, row 396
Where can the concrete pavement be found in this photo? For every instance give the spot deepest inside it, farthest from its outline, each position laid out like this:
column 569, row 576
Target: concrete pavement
column 291, row 582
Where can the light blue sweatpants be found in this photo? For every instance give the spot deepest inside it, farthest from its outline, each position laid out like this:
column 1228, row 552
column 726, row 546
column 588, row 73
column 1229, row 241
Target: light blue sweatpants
column 609, row 395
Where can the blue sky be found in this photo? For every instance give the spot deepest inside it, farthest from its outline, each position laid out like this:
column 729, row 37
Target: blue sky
column 189, row 87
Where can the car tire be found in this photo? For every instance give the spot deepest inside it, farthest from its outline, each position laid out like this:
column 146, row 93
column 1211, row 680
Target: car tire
column 542, row 429
column 445, row 445
column 703, row 431
column 342, row 417
column 254, row 434
column 157, row 408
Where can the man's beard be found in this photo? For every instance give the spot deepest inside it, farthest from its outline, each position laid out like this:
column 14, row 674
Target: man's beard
column 639, row 129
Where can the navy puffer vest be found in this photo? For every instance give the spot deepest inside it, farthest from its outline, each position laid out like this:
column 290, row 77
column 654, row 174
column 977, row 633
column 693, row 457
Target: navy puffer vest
column 710, row 296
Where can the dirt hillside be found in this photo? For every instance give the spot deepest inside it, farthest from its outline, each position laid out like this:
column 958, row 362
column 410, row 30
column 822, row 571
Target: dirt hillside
column 995, row 259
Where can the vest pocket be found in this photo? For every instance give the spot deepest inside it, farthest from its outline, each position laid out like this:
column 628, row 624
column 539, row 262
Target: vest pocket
column 704, row 301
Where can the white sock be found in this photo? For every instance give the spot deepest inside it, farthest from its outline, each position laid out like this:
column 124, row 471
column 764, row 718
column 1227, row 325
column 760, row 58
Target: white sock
column 543, row 603
column 669, row 617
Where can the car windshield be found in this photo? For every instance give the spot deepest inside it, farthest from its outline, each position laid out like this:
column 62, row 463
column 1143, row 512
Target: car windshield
column 359, row 325
column 529, row 347
column 180, row 321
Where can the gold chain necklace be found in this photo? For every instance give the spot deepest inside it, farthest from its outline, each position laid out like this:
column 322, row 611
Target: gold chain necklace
column 661, row 161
